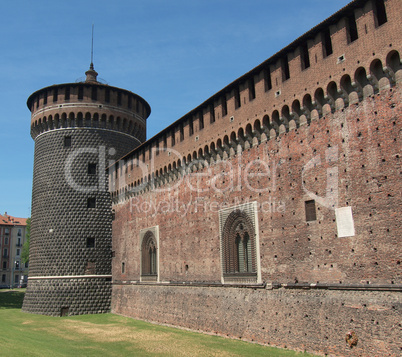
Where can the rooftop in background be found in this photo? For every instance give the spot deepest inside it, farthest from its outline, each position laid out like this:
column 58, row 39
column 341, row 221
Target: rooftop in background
column 12, row 221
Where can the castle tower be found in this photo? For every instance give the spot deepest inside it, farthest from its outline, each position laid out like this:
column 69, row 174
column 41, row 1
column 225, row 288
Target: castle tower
column 78, row 129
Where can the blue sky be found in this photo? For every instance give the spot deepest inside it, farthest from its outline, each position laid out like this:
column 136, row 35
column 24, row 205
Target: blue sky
column 173, row 53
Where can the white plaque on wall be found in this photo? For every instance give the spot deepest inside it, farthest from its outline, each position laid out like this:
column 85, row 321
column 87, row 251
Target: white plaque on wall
column 344, row 222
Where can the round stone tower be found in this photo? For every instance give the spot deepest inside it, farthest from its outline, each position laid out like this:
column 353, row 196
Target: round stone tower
column 79, row 129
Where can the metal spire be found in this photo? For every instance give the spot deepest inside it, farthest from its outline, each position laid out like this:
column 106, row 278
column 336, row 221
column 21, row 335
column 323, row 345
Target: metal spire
column 91, row 73
column 92, row 49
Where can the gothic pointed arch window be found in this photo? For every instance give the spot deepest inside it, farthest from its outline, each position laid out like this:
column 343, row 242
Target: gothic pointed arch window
column 239, row 244
column 149, row 254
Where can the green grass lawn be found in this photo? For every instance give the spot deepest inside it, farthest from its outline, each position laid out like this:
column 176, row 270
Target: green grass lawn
column 23, row 334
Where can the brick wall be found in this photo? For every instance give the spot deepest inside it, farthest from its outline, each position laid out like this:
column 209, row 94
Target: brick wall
column 359, row 147
column 312, row 320
column 329, row 134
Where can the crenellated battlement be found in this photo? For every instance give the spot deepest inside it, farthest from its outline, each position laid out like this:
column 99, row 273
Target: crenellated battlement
column 88, row 104
column 347, row 58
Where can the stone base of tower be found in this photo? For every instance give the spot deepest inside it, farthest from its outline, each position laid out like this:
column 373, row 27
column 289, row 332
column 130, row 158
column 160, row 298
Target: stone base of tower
column 62, row 296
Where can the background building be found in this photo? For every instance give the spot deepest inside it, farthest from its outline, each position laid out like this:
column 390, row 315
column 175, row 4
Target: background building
column 14, row 273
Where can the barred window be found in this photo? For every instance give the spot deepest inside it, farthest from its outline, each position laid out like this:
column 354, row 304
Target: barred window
column 310, row 210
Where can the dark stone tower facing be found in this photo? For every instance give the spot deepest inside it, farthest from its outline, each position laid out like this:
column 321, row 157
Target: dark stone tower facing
column 78, row 128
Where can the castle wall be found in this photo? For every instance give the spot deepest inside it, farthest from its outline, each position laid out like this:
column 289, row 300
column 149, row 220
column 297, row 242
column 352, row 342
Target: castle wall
column 308, row 166
column 359, row 146
column 263, row 101
column 312, row 320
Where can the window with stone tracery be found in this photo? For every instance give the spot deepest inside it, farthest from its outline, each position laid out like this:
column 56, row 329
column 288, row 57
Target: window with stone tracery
column 238, row 233
column 149, row 254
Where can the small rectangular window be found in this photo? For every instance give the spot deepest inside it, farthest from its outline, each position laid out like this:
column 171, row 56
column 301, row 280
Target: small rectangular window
column 3, row 278
column 123, row 267
column 118, row 98
column 237, row 98
column 94, row 95
column 190, row 127
column 181, row 128
column 326, row 43
column 107, row 95
column 251, row 89
column 212, row 114
column 55, row 94
column 91, row 202
column 129, row 102
column 224, row 106
column 44, row 98
column 310, row 211
column 80, row 92
column 91, row 169
column 18, row 252
column 380, row 13
column 285, row 69
column 67, row 93
column 201, row 121
column 267, row 79
column 91, row 242
column 173, row 138
column 4, row 265
column 352, row 28
column 304, row 56
column 67, row 141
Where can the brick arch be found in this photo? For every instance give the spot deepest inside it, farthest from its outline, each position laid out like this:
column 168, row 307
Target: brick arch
column 376, row 69
column 285, row 116
column 212, row 147
column 332, row 91
column 319, row 100
column 265, row 122
column 275, row 121
column 346, row 84
column 393, row 61
column 238, row 225
column 257, row 125
column 110, row 123
column 103, row 121
column 240, row 134
column 249, row 130
column 296, row 111
column 50, row 122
